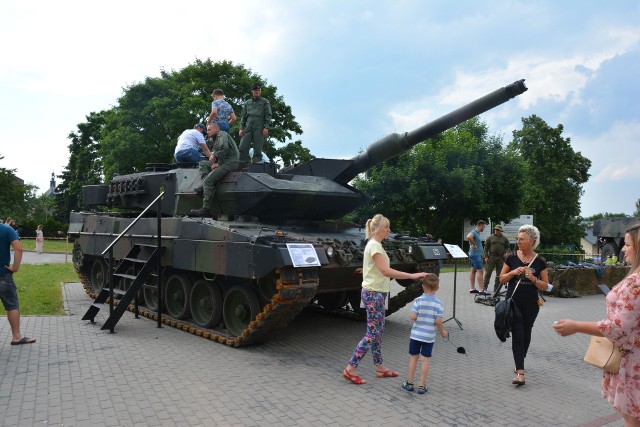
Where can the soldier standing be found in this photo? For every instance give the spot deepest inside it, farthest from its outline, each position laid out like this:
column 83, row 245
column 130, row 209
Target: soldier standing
column 495, row 247
column 223, row 160
column 254, row 125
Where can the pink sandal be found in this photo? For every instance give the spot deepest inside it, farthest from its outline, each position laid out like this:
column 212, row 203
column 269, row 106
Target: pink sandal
column 356, row 379
column 386, row 374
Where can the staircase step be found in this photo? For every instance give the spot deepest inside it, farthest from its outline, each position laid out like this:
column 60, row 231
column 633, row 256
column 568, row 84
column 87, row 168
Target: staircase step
column 126, row 276
column 136, row 260
column 101, row 306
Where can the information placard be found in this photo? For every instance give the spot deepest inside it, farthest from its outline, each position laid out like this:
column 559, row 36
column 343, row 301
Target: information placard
column 455, row 251
column 303, row 255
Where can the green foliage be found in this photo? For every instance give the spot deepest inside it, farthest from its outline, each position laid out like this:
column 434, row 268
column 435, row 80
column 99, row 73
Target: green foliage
column 553, row 179
column 15, row 196
column 637, row 212
column 145, row 124
column 39, row 288
column 462, row 173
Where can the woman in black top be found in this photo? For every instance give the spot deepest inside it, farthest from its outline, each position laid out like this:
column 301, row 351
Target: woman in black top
column 532, row 278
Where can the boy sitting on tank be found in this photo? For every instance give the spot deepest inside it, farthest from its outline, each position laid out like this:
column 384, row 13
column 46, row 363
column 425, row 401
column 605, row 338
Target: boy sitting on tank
column 224, row 159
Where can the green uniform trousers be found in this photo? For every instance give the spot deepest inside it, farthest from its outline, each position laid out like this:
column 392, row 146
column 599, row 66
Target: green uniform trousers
column 252, row 137
column 495, row 262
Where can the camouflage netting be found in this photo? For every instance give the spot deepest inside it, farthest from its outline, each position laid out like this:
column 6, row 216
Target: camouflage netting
column 573, row 282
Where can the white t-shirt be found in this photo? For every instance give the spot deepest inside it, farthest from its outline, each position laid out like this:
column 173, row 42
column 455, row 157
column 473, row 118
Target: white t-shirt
column 190, row 138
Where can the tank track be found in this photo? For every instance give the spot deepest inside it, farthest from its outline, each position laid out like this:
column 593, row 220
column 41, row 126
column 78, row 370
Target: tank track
column 293, row 293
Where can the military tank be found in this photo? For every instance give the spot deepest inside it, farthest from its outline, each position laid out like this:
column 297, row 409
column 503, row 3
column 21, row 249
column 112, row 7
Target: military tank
column 610, row 232
column 273, row 245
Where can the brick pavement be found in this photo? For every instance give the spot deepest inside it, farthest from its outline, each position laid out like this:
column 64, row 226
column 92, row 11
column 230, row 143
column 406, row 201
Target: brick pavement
column 77, row 375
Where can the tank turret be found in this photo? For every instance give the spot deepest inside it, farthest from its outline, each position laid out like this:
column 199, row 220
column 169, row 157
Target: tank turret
column 267, row 252
column 316, row 190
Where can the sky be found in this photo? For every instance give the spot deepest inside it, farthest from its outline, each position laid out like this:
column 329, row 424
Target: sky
column 352, row 71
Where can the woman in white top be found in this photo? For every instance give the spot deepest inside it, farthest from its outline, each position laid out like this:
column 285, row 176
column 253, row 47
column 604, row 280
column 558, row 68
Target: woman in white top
column 376, row 285
column 39, row 239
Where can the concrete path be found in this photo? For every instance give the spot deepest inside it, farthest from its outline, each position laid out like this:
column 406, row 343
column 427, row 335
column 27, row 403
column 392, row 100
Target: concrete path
column 78, row 375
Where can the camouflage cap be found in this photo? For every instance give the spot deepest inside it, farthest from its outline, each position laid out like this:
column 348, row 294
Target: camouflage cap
column 498, row 227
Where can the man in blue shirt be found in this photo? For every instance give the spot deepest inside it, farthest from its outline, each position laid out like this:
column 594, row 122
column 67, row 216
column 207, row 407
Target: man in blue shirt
column 475, row 258
column 8, row 292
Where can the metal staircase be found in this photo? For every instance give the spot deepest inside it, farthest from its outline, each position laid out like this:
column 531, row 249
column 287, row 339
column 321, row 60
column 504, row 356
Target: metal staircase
column 143, row 267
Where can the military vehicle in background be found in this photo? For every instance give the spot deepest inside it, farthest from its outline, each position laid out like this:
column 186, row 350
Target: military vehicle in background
column 610, row 233
column 273, row 246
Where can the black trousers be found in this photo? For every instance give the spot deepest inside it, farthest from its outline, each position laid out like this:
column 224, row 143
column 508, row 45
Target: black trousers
column 521, row 331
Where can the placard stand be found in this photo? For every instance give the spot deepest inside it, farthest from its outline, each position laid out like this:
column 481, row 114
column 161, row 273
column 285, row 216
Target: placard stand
column 456, row 253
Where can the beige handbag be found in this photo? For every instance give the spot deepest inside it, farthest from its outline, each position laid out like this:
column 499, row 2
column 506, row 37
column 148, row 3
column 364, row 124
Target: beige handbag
column 604, row 354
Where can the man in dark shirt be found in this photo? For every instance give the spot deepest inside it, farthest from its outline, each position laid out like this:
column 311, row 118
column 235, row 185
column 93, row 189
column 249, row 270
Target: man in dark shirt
column 495, row 248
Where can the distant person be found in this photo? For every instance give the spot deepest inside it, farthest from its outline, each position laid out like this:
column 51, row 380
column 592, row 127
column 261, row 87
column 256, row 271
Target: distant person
column 221, row 112
column 255, row 120
column 376, row 286
column 224, row 159
column 8, row 292
column 427, row 312
column 39, row 239
column 495, row 249
column 475, row 258
column 526, row 273
column 188, row 142
column 621, row 326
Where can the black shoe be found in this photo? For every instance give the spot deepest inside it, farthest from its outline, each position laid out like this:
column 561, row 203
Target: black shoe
column 199, row 190
column 474, row 291
column 200, row 212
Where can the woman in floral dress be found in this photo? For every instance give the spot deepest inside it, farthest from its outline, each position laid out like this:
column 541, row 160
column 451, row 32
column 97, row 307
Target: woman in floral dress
column 622, row 327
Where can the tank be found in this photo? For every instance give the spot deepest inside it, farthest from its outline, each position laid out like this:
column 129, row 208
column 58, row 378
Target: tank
column 610, row 233
column 273, row 246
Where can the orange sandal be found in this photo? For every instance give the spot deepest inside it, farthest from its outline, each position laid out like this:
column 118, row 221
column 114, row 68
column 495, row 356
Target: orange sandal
column 356, row 379
column 386, row 374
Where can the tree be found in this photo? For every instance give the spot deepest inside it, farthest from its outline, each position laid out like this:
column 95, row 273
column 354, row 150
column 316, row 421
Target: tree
column 637, row 212
column 84, row 167
column 463, row 173
column 553, row 179
column 14, row 195
column 603, row 215
column 145, row 124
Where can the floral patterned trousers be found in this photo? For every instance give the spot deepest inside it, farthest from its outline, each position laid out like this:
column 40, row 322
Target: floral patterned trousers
column 374, row 304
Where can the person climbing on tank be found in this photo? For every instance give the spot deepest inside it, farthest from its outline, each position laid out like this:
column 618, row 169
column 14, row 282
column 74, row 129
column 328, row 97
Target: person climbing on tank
column 224, row 159
column 254, row 124
column 187, row 147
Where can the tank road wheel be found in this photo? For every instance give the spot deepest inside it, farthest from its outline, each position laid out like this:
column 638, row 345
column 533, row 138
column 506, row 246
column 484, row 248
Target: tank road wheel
column 241, row 306
column 99, row 274
column 178, row 291
column 150, row 291
column 607, row 250
column 206, row 303
column 267, row 287
column 77, row 256
column 333, row 300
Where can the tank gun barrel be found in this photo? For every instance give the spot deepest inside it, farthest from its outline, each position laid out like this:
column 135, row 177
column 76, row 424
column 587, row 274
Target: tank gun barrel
column 395, row 144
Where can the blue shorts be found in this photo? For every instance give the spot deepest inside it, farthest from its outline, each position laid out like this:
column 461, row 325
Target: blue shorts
column 475, row 261
column 420, row 347
column 8, row 292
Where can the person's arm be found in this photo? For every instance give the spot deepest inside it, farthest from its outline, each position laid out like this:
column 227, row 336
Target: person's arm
column 387, row 271
column 214, row 113
column 543, row 281
column 17, row 256
column 267, row 118
column 487, row 245
column 441, row 328
column 243, row 118
column 206, row 150
column 566, row 327
column 472, row 240
column 222, row 148
column 233, row 119
column 413, row 315
column 506, row 274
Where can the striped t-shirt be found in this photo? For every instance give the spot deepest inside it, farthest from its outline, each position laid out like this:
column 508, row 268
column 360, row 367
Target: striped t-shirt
column 428, row 308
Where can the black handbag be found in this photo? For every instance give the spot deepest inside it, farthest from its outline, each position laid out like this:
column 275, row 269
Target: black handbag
column 507, row 313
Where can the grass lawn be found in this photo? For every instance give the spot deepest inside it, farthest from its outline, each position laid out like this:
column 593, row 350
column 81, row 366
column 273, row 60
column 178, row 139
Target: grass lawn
column 49, row 245
column 39, row 290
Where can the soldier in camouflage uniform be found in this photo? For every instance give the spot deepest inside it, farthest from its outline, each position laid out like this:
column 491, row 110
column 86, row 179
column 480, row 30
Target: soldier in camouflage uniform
column 223, row 160
column 494, row 249
column 254, row 125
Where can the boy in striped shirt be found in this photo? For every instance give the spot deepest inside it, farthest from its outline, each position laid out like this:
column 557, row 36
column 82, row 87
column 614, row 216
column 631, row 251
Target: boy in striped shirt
column 427, row 313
